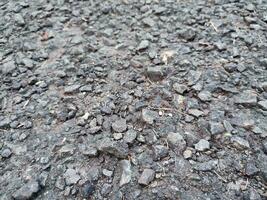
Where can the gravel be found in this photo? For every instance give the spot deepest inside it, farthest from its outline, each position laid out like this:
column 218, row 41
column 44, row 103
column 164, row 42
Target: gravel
column 133, row 99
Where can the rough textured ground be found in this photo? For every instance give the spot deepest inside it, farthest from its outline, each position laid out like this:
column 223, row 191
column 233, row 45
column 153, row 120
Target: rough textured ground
column 133, row 99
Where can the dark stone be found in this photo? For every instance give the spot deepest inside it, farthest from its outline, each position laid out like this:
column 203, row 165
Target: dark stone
column 88, row 189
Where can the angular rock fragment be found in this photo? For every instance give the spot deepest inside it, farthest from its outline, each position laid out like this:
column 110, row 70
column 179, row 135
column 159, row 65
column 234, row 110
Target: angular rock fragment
column 71, row 177
column 119, row 126
column 216, row 128
column 146, row 177
column 263, row 104
column 240, row 143
column 176, row 141
column 206, row 166
column 149, row 116
column 155, row 73
column 144, row 44
column 126, row 172
column 179, row 88
column 204, row 96
column 118, row 149
column 247, row 97
column 27, row 191
column 195, row 112
column 72, row 89
column 130, row 136
column 202, row 145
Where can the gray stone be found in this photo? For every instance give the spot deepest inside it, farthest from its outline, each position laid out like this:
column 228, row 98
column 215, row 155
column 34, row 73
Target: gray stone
column 67, row 149
column 206, row 166
column 107, row 173
column 6, row 153
column 204, row 96
column 241, row 68
column 264, row 86
column 202, row 145
column 160, row 151
column 86, row 88
column 71, row 177
column 262, row 165
column 146, row 177
column 254, row 195
column 8, row 67
column 117, row 136
column 263, row 62
column 251, row 169
column 216, row 128
column 42, row 178
column 5, row 123
column 187, row 34
column 72, row 88
column 119, row 126
column 88, row 150
column 117, row 149
column 195, row 112
column 247, row 97
column 193, row 77
column 227, row 125
column 126, row 172
column 130, row 136
column 144, row 44
column 240, row 143
column 179, row 88
column 176, row 141
column 263, row 104
column 19, row 19
column 27, row 191
column 87, row 190
column 149, row 116
column 187, row 153
column 243, row 120
column 149, row 22
column 155, row 73
column 264, row 144
column 44, row 160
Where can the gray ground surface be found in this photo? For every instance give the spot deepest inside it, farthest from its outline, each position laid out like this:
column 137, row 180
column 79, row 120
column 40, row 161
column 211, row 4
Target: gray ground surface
column 133, row 99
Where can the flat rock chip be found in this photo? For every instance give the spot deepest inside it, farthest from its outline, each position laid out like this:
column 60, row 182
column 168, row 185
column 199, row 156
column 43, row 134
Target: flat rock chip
column 204, row 96
column 27, row 191
column 247, row 97
column 149, row 116
column 71, row 89
column 202, row 145
column 8, row 67
column 216, row 128
column 175, row 138
column 6, row 153
column 147, row 176
column 206, row 166
column 240, row 143
column 119, row 126
column 130, row 136
column 71, row 177
column 179, row 88
column 144, row 44
column 155, row 73
column 118, row 149
column 195, row 112
column 126, row 172
column 263, row 104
